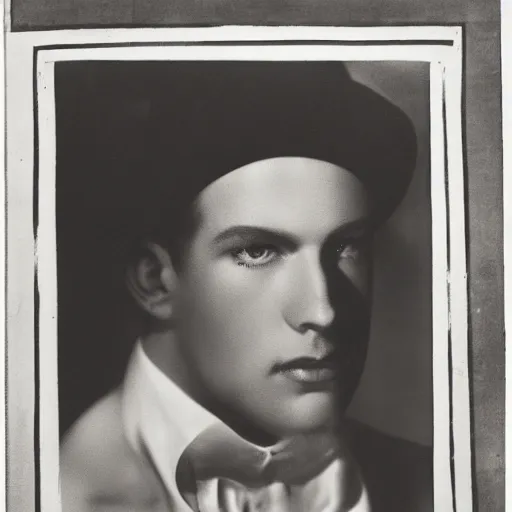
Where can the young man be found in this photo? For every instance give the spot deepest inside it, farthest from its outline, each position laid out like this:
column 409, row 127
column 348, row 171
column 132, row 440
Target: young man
column 252, row 224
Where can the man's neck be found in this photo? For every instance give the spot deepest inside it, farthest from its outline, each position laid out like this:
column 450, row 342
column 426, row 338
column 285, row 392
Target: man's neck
column 162, row 349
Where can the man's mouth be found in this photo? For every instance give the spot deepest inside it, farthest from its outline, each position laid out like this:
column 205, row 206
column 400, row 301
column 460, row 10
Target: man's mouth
column 308, row 369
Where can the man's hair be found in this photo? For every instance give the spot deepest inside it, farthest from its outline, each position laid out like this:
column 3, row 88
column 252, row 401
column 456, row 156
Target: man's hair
column 111, row 197
column 172, row 227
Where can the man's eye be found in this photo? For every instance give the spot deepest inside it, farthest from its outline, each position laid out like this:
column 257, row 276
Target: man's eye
column 255, row 255
column 350, row 251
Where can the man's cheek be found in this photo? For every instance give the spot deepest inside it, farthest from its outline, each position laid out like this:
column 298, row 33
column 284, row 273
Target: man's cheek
column 240, row 282
column 241, row 308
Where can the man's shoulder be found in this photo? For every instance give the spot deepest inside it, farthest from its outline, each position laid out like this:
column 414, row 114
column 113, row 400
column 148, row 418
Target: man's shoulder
column 398, row 473
column 99, row 469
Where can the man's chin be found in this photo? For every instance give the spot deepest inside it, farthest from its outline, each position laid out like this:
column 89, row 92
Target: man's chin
column 310, row 413
column 291, row 415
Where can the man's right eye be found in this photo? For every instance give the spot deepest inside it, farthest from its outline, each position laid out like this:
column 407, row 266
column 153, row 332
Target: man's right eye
column 255, row 255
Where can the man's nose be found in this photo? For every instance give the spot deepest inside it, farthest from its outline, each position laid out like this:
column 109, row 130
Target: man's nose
column 308, row 305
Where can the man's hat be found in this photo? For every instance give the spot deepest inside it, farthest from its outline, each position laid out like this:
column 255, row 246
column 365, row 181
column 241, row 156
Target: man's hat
column 211, row 118
column 159, row 133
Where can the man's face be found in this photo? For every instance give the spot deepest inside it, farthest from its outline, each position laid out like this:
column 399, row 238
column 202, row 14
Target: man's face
column 271, row 303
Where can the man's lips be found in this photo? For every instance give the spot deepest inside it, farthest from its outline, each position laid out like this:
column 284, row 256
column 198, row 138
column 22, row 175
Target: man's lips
column 306, row 363
column 308, row 369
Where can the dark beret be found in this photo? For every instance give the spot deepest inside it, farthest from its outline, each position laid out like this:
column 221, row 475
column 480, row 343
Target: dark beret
column 141, row 140
column 211, row 118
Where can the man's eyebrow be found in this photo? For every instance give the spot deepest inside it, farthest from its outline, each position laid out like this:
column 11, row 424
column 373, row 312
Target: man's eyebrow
column 359, row 226
column 252, row 232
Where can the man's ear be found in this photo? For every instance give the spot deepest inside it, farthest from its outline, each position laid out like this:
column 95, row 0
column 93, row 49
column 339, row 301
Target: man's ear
column 152, row 281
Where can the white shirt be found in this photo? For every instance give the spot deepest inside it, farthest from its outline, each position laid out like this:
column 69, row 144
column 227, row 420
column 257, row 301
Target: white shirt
column 163, row 423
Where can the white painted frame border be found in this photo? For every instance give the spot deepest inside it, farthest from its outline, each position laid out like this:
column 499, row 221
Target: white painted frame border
column 30, row 62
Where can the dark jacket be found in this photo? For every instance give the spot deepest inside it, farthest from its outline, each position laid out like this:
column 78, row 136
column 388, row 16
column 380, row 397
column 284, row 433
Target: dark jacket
column 398, row 473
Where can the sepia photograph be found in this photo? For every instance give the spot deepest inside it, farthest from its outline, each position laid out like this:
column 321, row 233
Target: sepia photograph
column 250, row 280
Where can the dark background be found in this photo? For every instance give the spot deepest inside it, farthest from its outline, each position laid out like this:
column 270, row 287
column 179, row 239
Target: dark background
column 100, row 114
column 484, row 153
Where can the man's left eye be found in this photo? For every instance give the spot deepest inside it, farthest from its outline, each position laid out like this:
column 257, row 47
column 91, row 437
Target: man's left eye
column 350, row 251
column 255, row 255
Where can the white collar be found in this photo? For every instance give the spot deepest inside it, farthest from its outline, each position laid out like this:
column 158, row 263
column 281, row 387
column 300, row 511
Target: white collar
column 160, row 418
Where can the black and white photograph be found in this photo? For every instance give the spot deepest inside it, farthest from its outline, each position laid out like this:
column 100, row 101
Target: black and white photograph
column 249, row 253
column 236, row 205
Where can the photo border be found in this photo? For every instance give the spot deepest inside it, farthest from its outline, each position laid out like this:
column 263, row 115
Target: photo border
column 439, row 45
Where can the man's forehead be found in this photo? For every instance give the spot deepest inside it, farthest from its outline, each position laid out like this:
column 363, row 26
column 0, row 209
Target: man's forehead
column 298, row 195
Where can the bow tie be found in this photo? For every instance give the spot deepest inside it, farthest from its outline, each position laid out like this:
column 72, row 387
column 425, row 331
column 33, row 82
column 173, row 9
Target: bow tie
column 218, row 452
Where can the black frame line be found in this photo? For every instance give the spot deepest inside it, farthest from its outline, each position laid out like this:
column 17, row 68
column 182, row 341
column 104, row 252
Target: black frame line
column 35, row 220
column 265, row 42
column 440, row 42
column 448, row 258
